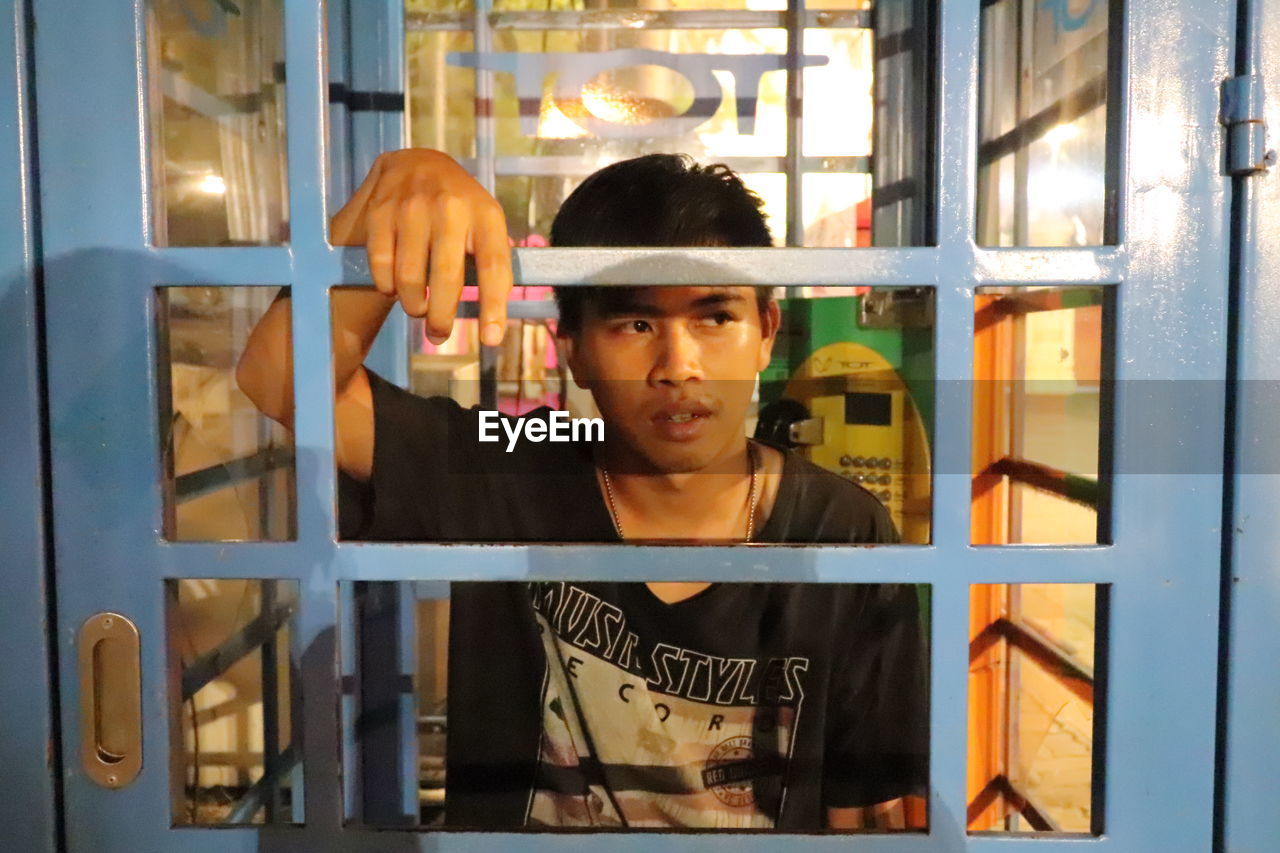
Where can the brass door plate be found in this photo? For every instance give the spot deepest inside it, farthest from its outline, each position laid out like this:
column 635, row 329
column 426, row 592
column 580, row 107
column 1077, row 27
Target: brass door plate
column 110, row 700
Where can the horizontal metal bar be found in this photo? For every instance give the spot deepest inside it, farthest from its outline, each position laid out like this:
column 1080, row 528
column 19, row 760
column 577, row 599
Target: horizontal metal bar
column 253, row 799
column 516, row 310
column 247, row 839
column 195, row 484
column 223, row 265
column 635, row 19
column 1102, row 265
column 779, row 563
column 892, row 267
column 435, row 724
column 562, row 166
column 797, row 267
column 1072, row 487
column 215, row 662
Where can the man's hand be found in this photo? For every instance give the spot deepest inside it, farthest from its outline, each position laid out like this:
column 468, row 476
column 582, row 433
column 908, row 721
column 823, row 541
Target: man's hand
column 419, row 206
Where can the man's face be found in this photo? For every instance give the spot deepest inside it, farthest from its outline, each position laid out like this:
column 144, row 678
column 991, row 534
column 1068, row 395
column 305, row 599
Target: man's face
column 672, row 370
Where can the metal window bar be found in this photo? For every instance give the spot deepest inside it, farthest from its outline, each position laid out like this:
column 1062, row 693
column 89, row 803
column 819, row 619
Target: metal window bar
column 213, row 663
column 795, row 18
column 271, row 759
column 636, row 19
column 1001, row 787
column 266, row 789
column 262, row 632
column 1073, row 674
column 1064, row 484
column 1085, row 99
column 195, row 484
column 1033, row 300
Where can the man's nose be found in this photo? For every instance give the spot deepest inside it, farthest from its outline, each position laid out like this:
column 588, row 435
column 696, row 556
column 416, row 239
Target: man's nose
column 678, row 357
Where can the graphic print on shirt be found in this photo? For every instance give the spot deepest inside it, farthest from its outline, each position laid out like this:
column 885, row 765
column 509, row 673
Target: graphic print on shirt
column 642, row 733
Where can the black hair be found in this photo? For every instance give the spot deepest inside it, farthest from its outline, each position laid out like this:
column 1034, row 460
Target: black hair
column 656, row 200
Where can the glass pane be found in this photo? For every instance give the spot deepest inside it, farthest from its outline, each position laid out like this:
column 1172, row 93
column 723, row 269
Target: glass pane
column 228, row 469
column 1039, row 403
column 848, row 386
column 233, row 701
column 1042, row 158
column 1031, row 707
column 216, row 102
column 574, row 90
column 646, row 706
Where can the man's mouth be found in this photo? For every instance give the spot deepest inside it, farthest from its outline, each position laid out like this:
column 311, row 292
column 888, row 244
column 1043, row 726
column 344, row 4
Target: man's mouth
column 682, row 421
column 683, row 412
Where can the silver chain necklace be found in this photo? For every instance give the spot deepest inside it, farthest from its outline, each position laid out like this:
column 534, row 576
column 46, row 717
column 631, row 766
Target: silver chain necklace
column 751, row 497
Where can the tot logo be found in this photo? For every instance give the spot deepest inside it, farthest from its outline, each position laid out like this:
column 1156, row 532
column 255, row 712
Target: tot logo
column 574, row 70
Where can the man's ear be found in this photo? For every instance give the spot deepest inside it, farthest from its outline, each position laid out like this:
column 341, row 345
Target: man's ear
column 770, row 322
column 573, row 358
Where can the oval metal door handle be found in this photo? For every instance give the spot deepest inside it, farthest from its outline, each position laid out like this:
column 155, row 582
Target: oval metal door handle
column 110, row 700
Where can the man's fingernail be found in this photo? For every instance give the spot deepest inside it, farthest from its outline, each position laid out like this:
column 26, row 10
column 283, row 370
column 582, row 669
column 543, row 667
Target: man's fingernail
column 437, row 340
column 491, row 334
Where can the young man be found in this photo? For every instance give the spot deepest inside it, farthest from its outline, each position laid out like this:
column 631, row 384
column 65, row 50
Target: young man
column 611, row 704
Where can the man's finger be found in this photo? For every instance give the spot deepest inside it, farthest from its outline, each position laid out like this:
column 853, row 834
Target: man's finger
column 412, row 294
column 381, row 244
column 448, row 253
column 412, row 233
column 493, row 275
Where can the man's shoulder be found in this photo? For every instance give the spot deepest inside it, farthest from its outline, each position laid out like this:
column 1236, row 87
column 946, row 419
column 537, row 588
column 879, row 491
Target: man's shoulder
column 820, row 483
column 825, row 507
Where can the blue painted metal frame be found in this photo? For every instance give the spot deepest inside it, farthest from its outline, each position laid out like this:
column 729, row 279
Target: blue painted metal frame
column 372, row 53
column 1252, row 574
column 28, row 750
column 375, row 46
column 1170, row 270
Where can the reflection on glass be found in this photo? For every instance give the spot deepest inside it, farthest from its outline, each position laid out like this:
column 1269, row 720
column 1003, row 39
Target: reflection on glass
column 1039, row 397
column 233, row 700
column 1032, row 675
column 1042, row 156
column 216, row 100
column 849, row 387
column 228, row 469
column 575, row 89
column 665, row 705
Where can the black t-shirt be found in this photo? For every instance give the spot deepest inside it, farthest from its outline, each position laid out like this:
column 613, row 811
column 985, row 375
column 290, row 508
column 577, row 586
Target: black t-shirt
column 575, row 703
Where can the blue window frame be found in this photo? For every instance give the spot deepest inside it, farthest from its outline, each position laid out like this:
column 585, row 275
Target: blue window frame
column 100, row 272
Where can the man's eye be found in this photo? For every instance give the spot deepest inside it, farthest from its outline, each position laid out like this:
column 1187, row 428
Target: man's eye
column 719, row 318
column 636, row 326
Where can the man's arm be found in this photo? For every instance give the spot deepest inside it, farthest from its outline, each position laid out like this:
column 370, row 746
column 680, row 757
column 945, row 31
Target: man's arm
column 900, row 814
column 416, row 207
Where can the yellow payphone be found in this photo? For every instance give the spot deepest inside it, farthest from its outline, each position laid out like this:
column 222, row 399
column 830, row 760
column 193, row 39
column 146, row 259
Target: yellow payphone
column 847, row 407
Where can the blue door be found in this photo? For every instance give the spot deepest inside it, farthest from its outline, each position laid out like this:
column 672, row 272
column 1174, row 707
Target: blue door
column 132, row 259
